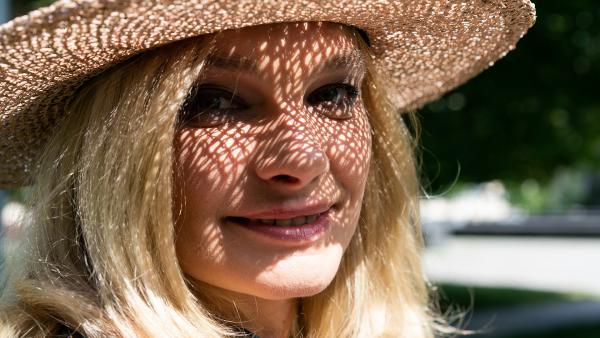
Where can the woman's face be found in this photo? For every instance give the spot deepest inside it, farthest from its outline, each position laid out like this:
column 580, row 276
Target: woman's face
column 272, row 158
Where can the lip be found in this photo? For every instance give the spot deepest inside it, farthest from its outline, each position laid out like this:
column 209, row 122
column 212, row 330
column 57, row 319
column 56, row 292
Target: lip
column 285, row 235
column 285, row 212
column 290, row 235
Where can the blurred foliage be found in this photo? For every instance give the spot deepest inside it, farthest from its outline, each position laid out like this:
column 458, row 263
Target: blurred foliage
column 19, row 195
column 475, row 299
column 468, row 300
column 568, row 189
column 536, row 113
column 20, row 7
column 584, row 331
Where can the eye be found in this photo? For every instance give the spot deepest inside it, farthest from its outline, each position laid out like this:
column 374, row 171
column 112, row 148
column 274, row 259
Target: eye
column 209, row 106
column 334, row 100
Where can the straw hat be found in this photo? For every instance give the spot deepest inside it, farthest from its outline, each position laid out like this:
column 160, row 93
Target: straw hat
column 428, row 47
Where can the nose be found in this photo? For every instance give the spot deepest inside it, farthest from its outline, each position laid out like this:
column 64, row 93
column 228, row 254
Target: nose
column 291, row 155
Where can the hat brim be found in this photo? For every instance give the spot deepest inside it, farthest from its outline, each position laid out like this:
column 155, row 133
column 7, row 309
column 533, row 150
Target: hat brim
column 427, row 48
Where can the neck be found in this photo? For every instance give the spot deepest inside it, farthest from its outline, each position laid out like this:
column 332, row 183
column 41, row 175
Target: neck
column 264, row 317
column 269, row 318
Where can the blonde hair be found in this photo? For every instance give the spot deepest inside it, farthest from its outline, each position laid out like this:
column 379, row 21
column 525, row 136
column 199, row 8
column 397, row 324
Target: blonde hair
column 100, row 253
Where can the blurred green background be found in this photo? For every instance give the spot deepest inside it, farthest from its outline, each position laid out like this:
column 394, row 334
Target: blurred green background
column 532, row 120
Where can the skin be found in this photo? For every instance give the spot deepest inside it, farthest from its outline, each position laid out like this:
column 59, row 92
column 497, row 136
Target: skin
column 274, row 139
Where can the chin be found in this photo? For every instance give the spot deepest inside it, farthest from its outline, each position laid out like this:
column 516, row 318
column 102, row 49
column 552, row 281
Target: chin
column 289, row 291
column 292, row 280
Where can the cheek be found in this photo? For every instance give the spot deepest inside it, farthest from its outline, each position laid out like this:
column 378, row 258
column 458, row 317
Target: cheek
column 209, row 164
column 349, row 152
column 208, row 170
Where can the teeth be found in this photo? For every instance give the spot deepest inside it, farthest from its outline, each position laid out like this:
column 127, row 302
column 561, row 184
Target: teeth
column 299, row 220
column 283, row 222
column 296, row 221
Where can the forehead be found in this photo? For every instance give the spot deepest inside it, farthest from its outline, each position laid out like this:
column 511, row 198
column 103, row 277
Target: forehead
column 289, row 53
column 283, row 38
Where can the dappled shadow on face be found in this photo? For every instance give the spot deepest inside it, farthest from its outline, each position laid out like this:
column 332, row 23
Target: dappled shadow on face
column 275, row 122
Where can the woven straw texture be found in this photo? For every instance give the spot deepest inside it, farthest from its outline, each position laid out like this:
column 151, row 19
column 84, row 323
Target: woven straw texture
column 427, row 46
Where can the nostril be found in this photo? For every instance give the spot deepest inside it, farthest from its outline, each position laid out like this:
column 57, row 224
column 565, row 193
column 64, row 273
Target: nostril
column 285, row 179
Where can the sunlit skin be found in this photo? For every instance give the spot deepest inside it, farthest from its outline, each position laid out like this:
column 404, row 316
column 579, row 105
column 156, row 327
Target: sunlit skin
column 273, row 139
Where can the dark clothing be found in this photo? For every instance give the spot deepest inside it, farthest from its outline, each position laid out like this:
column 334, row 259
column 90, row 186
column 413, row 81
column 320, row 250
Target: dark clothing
column 66, row 332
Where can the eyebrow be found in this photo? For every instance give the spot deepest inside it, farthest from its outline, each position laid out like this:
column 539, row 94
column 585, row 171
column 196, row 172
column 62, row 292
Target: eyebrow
column 350, row 60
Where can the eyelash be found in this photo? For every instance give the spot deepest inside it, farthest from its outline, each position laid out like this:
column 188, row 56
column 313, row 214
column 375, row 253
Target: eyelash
column 341, row 107
column 322, row 100
column 194, row 114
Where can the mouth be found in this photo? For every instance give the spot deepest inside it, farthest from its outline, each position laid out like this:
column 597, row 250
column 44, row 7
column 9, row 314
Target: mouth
column 297, row 229
column 283, row 222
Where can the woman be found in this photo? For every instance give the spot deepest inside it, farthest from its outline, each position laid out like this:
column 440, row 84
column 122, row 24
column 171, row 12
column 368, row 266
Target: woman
column 248, row 175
